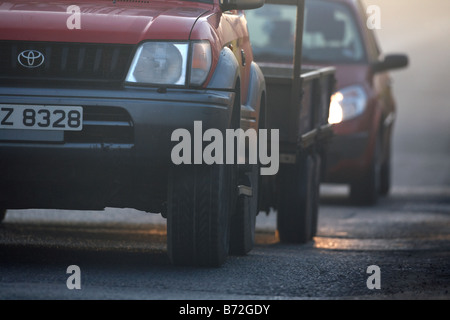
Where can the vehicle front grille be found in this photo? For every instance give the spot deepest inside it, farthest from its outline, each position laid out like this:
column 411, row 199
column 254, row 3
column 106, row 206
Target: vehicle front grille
column 64, row 63
column 103, row 125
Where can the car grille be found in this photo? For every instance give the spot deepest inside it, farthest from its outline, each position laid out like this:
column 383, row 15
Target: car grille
column 103, row 125
column 77, row 63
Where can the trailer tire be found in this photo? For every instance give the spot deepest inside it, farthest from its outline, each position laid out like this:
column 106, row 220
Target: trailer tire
column 200, row 203
column 316, row 193
column 294, row 219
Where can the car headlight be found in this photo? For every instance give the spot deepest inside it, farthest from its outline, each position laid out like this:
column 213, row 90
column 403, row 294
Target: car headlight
column 346, row 104
column 166, row 63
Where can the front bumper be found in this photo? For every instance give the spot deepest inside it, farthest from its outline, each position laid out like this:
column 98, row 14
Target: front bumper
column 120, row 159
column 347, row 157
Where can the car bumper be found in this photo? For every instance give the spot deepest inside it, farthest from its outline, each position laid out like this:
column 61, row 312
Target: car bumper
column 125, row 143
column 347, row 157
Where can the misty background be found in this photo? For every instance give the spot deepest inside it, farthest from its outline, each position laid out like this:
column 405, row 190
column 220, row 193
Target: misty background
column 421, row 29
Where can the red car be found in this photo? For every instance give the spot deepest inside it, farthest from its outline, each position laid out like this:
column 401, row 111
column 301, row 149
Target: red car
column 91, row 95
column 363, row 109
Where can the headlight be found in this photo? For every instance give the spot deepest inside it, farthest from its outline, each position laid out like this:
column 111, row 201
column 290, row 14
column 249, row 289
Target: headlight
column 159, row 63
column 166, row 63
column 346, row 104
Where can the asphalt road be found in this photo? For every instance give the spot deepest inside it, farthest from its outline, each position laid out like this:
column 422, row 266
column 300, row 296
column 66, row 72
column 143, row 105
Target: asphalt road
column 122, row 253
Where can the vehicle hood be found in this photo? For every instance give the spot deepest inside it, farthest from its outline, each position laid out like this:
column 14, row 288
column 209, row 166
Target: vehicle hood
column 99, row 21
column 347, row 75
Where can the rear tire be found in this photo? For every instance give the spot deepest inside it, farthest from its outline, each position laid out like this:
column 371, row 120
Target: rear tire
column 243, row 222
column 295, row 212
column 200, row 203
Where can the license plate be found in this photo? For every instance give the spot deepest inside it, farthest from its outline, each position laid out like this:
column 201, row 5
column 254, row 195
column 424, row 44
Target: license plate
column 33, row 117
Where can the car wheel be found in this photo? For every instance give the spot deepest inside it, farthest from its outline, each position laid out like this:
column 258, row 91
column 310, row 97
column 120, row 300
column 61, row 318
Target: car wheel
column 385, row 176
column 366, row 190
column 243, row 222
column 294, row 219
column 200, row 203
column 2, row 215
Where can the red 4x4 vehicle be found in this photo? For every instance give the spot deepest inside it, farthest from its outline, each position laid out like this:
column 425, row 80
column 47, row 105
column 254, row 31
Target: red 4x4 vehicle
column 91, row 93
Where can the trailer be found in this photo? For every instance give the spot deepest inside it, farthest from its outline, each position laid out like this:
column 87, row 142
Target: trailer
column 297, row 105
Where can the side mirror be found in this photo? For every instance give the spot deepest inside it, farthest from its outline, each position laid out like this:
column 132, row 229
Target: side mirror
column 227, row 5
column 390, row 62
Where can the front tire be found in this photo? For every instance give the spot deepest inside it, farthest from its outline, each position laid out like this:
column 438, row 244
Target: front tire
column 366, row 190
column 386, row 174
column 2, row 215
column 200, row 203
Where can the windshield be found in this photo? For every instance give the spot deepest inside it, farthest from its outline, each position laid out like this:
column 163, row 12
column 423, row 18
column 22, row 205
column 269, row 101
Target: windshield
column 330, row 33
column 272, row 30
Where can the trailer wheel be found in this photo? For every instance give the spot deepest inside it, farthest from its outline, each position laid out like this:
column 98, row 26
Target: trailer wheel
column 200, row 204
column 295, row 212
column 317, row 170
